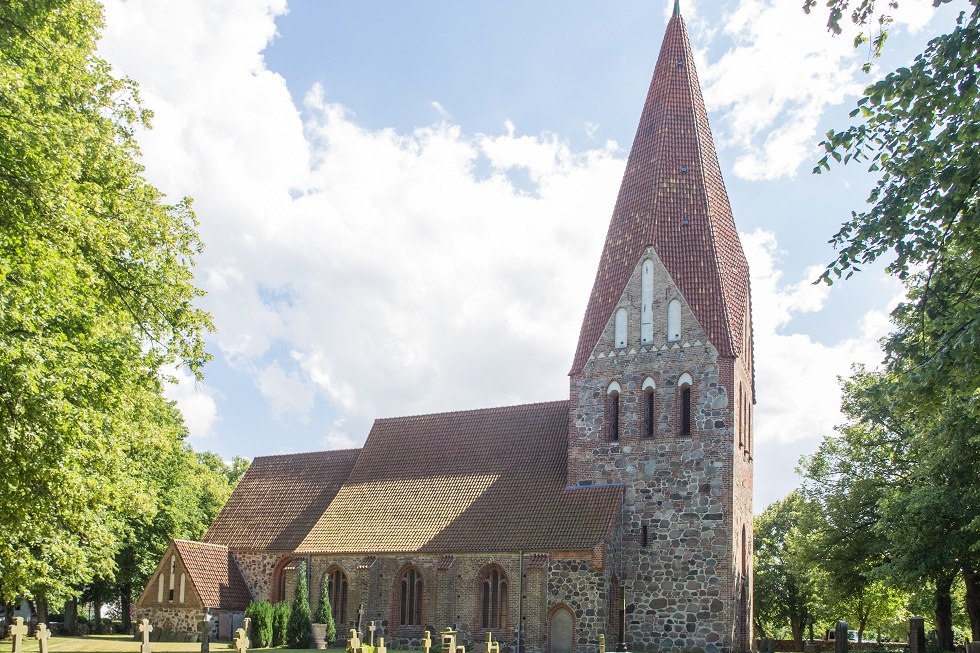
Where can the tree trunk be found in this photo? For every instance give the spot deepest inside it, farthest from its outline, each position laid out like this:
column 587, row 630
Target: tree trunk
column 71, row 613
column 41, row 605
column 125, row 604
column 972, row 579
column 944, row 613
column 796, row 624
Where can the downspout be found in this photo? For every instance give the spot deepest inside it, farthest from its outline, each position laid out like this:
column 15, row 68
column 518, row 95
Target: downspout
column 520, row 602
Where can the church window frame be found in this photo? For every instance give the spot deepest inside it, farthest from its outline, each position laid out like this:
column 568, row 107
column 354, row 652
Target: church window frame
column 621, row 328
column 493, row 585
column 649, row 408
column 614, row 409
column 685, row 386
column 410, row 591
column 646, row 302
column 338, row 585
column 674, row 321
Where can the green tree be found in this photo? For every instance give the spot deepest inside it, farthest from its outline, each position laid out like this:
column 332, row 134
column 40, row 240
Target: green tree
column 299, row 630
column 783, row 592
column 260, row 612
column 96, row 299
column 280, row 620
column 324, row 613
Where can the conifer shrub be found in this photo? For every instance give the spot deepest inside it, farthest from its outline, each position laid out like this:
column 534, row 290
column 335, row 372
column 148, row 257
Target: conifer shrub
column 260, row 612
column 324, row 612
column 299, row 629
column 280, row 619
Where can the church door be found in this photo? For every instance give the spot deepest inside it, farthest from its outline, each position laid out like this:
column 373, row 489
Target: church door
column 561, row 631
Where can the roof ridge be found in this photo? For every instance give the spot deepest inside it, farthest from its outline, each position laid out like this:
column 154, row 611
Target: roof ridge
column 471, row 410
column 306, row 453
column 197, row 542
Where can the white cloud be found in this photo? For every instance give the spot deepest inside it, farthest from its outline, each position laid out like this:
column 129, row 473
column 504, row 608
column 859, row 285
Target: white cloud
column 196, row 401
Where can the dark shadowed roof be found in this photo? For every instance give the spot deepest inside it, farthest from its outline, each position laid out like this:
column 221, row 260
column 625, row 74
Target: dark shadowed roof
column 279, row 498
column 673, row 198
column 214, row 574
column 480, row 480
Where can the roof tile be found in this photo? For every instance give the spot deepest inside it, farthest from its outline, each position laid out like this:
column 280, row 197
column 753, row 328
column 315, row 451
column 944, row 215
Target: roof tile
column 214, row 574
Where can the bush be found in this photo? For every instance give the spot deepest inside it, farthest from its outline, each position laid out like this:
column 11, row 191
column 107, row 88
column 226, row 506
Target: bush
column 324, row 612
column 280, row 617
column 260, row 612
column 299, row 631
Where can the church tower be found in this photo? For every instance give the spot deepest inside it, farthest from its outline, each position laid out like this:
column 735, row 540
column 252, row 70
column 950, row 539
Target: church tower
column 662, row 385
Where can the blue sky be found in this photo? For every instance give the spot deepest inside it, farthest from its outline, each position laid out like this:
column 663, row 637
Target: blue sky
column 403, row 203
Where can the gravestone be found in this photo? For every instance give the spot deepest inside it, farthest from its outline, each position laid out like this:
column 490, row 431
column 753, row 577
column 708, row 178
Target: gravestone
column 840, row 637
column 381, row 648
column 371, row 628
column 973, row 647
column 204, row 627
column 145, row 628
column 42, row 634
column 360, row 619
column 448, row 641
column 917, row 635
column 602, row 643
column 490, row 645
column 241, row 641
column 18, row 632
column 427, row 642
column 353, row 642
column 767, row 645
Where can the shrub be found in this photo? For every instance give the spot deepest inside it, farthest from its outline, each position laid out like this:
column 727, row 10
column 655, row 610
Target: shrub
column 299, row 631
column 324, row 612
column 280, row 617
column 260, row 612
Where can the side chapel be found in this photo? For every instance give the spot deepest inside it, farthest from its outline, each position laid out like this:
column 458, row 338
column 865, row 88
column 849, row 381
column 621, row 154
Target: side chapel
column 529, row 520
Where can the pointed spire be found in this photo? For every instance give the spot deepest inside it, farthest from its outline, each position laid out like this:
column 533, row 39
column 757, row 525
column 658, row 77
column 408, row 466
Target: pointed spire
column 677, row 7
column 673, row 198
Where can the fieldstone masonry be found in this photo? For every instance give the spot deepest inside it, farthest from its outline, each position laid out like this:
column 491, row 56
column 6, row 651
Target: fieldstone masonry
column 678, row 488
column 257, row 570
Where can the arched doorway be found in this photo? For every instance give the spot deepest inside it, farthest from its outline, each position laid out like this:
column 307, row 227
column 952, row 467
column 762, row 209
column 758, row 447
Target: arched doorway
column 561, row 630
column 277, row 592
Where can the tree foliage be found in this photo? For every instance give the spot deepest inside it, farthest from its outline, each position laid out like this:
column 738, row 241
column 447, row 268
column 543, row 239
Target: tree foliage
column 324, row 613
column 280, row 621
column 260, row 612
column 299, row 628
column 96, row 300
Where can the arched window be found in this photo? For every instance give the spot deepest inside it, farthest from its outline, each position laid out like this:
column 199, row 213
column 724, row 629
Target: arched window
column 620, row 328
column 741, row 417
column 649, row 408
column 410, row 598
column 173, row 572
column 646, row 300
column 612, row 410
column 278, row 590
column 685, row 383
column 673, row 321
column 337, row 591
column 493, row 598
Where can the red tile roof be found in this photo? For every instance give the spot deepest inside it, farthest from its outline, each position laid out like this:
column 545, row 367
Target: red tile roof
column 472, row 481
column 214, row 574
column 672, row 176
column 279, row 499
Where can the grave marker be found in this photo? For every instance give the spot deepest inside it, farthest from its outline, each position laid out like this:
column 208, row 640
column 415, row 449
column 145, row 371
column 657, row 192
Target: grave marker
column 602, row 643
column 204, row 627
column 371, row 628
column 840, row 637
column 353, row 642
column 427, row 642
column 42, row 634
column 917, row 635
column 241, row 641
column 360, row 619
column 973, row 647
column 18, row 632
column 491, row 646
column 145, row 628
column 381, row 646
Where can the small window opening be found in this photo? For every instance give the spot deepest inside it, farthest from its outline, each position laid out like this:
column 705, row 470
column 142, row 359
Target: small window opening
column 686, row 410
column 612, row 405
column 649, row 412
column 644, row 537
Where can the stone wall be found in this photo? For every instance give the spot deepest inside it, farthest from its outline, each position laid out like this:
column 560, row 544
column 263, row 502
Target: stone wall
column 584, row 590
column 257, row 569
column 451, row 595
column 173, row 623
column 684, row 488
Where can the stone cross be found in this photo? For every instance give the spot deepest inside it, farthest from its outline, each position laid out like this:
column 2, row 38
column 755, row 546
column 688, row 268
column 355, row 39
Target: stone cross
column 449, row 640
column 602, row 643
column 381, row 646
column 491, row 646
column 371, row 629
column 146, row 629
column 840, row 637
column 353, row 642
column 917, row 635
column 427, row 642
column 241, row 641
column 204, row 627
column 18, row 632
column 360, row 618
column 247, row 625
column 42, row 634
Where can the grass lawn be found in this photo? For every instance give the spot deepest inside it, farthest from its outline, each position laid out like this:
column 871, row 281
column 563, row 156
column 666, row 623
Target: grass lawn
column 126, row 644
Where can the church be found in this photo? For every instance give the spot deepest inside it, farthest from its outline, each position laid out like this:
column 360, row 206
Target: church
column 532, row 521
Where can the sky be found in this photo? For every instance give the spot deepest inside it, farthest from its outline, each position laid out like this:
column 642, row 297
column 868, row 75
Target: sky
column 403, row 203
